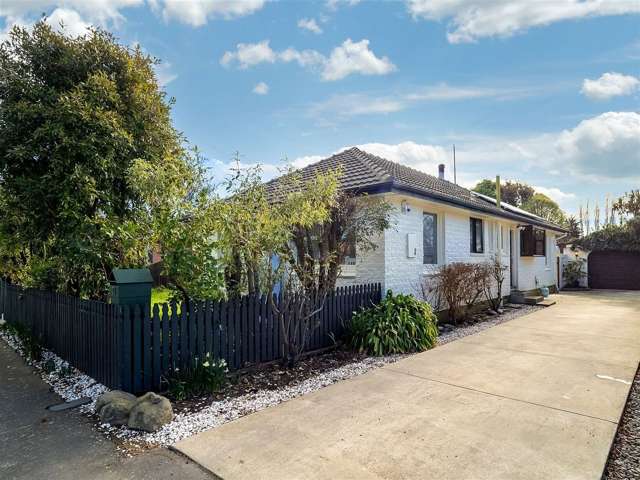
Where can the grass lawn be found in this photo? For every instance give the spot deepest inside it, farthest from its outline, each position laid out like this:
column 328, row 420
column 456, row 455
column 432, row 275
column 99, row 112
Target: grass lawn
column 160, row 295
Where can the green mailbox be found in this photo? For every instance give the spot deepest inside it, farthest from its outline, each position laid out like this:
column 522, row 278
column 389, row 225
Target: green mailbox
column 131, row 286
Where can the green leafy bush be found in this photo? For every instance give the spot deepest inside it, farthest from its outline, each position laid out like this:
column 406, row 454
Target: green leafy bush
column 398, row 324
column 574, row 272
column 202, row 378
column 31, row 344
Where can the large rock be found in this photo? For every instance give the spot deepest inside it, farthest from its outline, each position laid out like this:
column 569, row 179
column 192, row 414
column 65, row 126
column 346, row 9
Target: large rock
column 114, row 407
column 113, row 395
column 150, row 413
column 117, row 412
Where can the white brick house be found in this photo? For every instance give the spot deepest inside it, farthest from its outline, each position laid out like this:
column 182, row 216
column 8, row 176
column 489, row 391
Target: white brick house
column 432, row 224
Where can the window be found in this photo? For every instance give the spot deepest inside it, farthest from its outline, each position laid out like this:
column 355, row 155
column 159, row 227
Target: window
column 477, row 235
column 532, row 242
column 540, row 242
column 429, row 238
column 350, row 251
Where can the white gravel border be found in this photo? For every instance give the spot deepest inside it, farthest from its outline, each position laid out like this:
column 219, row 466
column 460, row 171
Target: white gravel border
column 206, row 416
column 71, row 386
column 509, row 314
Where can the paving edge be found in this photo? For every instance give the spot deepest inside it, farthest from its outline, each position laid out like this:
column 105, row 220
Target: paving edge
column 624, row 410
column 175, row 450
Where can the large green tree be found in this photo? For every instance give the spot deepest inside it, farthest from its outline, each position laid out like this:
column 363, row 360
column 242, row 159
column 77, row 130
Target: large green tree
column 524, row 196
column 514, row 193
column 628, row 204
column 75, row 114
column 542, row 206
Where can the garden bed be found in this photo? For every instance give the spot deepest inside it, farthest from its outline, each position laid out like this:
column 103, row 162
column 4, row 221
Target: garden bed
column 624, row 459
column 248, row 391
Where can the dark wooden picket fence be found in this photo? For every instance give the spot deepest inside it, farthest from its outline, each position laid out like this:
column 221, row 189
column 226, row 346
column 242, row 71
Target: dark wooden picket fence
column 133, row 348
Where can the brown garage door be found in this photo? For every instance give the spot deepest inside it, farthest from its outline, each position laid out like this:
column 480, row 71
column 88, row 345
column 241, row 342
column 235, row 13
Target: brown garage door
column 614, row 270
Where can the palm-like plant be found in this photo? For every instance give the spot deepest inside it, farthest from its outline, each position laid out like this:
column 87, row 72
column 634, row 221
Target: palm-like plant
column 573, row 225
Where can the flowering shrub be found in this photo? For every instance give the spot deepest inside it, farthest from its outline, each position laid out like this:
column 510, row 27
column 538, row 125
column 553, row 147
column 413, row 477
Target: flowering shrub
column 208, row 376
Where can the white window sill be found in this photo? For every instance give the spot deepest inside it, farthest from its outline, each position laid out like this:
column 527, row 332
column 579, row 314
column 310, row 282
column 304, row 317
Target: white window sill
column 348, row 271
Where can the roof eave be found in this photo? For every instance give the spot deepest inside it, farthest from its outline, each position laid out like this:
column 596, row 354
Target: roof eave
column 399, row 188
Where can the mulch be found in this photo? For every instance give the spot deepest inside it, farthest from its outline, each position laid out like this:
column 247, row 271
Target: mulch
column 274, row 376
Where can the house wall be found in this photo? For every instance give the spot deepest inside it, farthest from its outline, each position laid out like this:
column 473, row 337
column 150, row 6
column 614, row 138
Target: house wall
column 570, row 255
column 405, row 273
column 538, row 271
column 369, row 267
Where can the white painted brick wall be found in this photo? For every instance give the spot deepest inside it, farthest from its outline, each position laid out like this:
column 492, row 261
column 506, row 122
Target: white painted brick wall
column 535, row 272
column 369, row 267
column 390, row 265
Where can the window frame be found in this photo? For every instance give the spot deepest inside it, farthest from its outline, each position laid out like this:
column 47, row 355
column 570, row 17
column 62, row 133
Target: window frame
column 434, row 238
column 351, row 247
column 473, row 234
column 530, row 242
column 539, row 242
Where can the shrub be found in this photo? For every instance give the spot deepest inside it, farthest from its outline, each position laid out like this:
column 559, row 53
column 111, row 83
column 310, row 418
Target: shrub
column 573, row 272
column 496, row 272
column 398, row 324
column 31, row 344
column 458, row 286
column 202, row 378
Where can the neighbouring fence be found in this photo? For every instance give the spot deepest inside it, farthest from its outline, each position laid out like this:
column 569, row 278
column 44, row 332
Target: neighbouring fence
column 133, row 348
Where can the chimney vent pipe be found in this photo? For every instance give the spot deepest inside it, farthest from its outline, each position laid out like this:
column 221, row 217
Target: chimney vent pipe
column 441, row 171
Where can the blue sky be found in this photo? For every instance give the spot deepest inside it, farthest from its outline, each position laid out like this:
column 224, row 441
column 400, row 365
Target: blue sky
column 543, row 92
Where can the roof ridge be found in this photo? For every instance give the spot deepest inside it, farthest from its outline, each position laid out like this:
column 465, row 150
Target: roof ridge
column 377, row 171
column 414, row 170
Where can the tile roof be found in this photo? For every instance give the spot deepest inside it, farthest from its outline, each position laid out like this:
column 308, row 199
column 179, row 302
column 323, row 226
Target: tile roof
column 363, row 172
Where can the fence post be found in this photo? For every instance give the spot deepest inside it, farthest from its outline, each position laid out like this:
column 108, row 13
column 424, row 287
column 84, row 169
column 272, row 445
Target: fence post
column 123, row 316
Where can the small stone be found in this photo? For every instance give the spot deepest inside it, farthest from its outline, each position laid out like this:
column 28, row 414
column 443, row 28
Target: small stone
column 112, row 396
column 150, row 413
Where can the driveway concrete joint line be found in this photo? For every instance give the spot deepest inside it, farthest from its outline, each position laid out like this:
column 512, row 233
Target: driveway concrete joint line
column 500, row 396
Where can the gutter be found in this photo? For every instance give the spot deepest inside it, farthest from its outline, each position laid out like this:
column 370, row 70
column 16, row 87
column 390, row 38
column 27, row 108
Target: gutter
column 393, row 187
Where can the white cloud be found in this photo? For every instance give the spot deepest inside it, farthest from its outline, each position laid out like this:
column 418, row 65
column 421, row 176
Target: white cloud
column 302, row 162
column 249, row 54
column 304, row 58
column 344, row 60
column 101, row 12
column 444, row 92
column 68, row 22
column 350, row 105
column 165, row 74
column 310, row 25
column 198, row 12
column 610, row 85
column 261, row 89
column 419, row 156
column 474, row 19
column 355, row 57
column 604, row 146
column 555, row 194
column 334, row 4
column 76, row 15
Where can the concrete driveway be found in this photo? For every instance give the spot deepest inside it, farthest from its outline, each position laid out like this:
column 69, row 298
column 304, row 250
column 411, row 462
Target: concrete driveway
column 536, row 398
